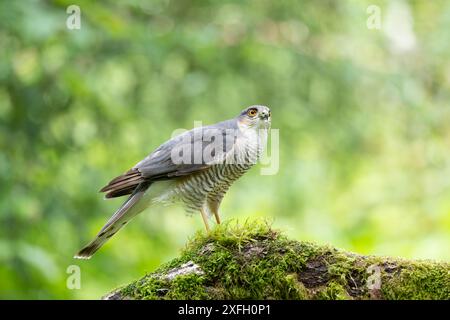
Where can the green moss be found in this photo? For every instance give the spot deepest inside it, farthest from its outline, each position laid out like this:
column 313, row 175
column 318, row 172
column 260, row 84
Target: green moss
column 149, row 288
column 233, row 235
column 253, row 261
column 332, row 291
column 293, row 289
column 188, row 287
column 419, row 281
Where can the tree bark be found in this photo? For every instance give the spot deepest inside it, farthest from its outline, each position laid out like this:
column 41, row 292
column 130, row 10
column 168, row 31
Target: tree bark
column 253, row 261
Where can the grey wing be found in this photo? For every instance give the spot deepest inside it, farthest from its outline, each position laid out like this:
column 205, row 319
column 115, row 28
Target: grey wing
column 190, row 152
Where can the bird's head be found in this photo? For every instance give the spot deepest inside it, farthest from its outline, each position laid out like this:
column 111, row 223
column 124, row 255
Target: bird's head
column 257, row 117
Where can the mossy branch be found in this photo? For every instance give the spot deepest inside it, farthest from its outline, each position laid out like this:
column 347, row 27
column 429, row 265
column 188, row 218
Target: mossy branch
column 253, row 261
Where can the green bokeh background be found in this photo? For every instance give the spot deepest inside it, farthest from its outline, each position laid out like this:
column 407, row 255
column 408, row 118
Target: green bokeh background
column 363, row 116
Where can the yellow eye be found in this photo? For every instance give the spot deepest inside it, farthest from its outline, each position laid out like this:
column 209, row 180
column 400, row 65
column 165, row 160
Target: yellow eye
column 252, row 112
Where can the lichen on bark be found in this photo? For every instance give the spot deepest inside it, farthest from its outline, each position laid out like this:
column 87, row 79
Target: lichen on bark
column 253, row 261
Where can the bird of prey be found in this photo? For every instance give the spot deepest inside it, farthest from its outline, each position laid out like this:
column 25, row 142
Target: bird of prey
column 195, row 168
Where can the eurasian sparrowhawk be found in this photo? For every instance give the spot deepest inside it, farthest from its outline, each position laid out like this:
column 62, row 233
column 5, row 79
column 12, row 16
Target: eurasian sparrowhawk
column 195, row 168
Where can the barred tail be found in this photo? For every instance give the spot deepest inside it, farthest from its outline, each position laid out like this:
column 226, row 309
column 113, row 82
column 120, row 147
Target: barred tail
column 121, row 217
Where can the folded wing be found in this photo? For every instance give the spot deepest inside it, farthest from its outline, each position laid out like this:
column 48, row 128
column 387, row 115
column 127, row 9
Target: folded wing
column 160, row 164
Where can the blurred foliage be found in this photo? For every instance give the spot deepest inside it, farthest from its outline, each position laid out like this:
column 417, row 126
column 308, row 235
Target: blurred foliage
column 363, row 117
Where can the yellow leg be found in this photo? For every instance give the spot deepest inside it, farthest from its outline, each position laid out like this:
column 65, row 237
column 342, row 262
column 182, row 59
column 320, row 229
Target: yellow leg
column 205, row 219
column 216, row 215
column 214, row 208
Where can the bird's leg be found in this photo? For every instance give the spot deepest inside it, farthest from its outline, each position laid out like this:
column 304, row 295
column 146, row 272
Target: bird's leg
column 205, row 219
column 216, row 215
column 213, row 207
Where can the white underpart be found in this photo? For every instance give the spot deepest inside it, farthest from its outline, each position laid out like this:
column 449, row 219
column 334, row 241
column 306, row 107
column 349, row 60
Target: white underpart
column 159, row 192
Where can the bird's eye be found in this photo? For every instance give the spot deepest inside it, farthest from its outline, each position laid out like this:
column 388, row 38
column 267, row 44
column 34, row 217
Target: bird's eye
column 252, row 112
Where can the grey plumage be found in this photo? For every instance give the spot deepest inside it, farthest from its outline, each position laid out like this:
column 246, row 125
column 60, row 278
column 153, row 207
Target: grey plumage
column 195, row 168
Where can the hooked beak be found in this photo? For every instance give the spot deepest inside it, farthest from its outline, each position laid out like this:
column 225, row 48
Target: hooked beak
column 264, row 116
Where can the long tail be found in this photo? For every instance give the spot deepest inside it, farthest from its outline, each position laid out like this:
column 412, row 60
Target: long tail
column 121, row 217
